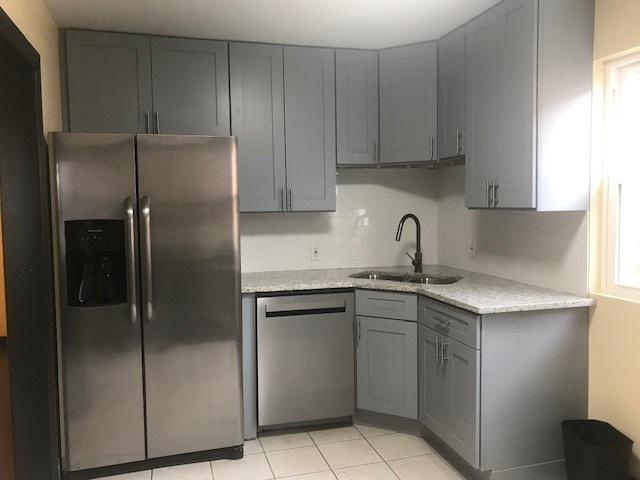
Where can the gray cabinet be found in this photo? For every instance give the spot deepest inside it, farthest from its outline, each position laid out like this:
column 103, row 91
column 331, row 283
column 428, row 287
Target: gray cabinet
column 109, row 82
column 452, row 93
column 310, row 124
column 190, row 86
column 449, row 392
column 408, row 103
column 257, row 114
column 433, row 401
column 483, row 87
column 529, row 67
column 357, row 107
column 387, row 366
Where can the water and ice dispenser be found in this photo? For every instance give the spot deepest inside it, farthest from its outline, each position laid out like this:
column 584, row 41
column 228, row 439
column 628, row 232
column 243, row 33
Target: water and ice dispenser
column 96, row 262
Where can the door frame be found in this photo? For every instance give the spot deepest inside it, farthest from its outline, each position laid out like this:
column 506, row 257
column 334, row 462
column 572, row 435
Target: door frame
column 26, row 221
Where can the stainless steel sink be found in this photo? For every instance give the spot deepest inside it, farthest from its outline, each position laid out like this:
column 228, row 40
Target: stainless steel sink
column 422, row 278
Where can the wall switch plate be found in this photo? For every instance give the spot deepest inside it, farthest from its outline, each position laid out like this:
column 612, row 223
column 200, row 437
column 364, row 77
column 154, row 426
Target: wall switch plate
column 473, row 248
column 315, row 253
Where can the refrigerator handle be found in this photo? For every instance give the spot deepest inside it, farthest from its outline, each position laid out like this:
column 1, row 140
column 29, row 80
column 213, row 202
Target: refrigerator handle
column 132, row 280
column 146, row 259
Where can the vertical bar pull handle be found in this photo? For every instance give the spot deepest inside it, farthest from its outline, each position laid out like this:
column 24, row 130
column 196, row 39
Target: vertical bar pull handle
column 157, row 121
column 458, row 141
column 488, row 194
column 147, row 119
column 132, row 277
column 375, row 152
column 282, row 202
column 291, row 199
column 146, row 259
column 437, row 359
column 495, row 194
column 432, row 148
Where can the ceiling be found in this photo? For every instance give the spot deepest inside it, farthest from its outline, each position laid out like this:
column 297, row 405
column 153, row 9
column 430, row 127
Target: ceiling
column 336, row 23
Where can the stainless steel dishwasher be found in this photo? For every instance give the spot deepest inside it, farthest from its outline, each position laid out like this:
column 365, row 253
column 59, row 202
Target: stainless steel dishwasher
column 305, row 358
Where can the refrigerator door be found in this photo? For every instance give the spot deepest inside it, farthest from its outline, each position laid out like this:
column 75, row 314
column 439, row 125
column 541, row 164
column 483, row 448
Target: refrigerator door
column 191, row 292
column 99, row 332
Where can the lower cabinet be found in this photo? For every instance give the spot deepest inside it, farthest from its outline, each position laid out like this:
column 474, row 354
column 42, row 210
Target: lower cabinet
column 387, row 366
column 448, row 397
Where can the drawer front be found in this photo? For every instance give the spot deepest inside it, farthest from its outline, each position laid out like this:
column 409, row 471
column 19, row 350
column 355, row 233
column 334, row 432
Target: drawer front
column 398, row 306
column 454, row 322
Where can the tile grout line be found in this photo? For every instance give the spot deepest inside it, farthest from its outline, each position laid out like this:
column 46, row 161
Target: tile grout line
column 383, row 459
column 322, row 455
column 273, row 474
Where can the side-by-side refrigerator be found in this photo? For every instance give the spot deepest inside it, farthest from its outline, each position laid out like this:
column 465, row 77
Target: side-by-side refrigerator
column 148, row 296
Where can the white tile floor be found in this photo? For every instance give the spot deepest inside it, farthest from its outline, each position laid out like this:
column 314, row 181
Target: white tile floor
column 357, row 452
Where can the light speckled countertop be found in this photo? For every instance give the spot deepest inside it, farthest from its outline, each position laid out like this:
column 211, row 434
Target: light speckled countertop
column 477, row 293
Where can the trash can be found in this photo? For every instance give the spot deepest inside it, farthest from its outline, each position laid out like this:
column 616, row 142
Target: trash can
column 595, row 450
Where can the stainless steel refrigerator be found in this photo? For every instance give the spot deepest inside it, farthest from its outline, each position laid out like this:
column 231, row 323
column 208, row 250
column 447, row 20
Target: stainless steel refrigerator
column 148, row 296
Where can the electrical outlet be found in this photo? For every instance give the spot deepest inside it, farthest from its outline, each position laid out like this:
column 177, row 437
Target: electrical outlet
column 473, row 248
column 315, row 253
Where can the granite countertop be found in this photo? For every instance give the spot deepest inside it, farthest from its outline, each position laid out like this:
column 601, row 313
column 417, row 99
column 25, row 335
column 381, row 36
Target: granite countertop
column 482, row 294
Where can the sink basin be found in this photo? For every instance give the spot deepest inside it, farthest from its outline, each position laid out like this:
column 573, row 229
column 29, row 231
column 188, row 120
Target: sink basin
column 421, row 278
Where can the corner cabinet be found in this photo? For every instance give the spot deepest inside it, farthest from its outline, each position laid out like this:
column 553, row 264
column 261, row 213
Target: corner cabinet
column 120, row 83
column 310, row 124
column 452, row 94
column 387, row 352
column 257, row 114
column 357, row 107
column 408, row 104
column 529, row 80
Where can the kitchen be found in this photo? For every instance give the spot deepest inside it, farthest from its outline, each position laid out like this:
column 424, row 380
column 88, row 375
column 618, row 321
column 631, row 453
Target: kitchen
column 390, row 272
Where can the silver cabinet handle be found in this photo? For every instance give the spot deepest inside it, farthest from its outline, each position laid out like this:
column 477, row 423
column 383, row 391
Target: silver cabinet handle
column 437, row 350
column 132, row 280
column 458, row 137
column 282, row 206
column 290, row 207
column 375, row 152
column 147, row 120
column 432, row 148
column 443, row 349
column 146, row 259
column 495, row 195
column 489, row 194
column 357, row 333
column 157, row 114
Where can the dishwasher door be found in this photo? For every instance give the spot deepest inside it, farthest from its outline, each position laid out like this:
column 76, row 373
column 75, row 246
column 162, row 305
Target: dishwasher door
column 305, row 358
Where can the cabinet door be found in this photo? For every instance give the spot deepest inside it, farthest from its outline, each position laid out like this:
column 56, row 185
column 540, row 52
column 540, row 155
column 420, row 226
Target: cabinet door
column 190, row 86
column 461, row 366
column 387, row 366
column 109, row 82
column 310, row 125
column 408, row 103
column 357, row 107
column 257, row 114
column 483, row 87
column 433, row 392
column 516, row 173
column 452, row 93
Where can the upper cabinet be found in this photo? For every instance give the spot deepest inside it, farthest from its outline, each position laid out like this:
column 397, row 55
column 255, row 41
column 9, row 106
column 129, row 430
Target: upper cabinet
column 357, row 107
column 109, row 82
column 111, row 88
column 408, row 104
column 257, row 117
column 190, row 86
column 452, row 94
column 529, row 69
column 310, row 123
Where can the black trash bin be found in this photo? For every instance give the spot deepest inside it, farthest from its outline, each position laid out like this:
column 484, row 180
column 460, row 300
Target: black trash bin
column 595, row 450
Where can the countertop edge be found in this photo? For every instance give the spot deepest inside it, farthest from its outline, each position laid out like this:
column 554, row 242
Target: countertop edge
column 578, row 302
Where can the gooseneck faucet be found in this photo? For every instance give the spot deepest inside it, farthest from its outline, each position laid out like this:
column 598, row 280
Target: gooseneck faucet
column 417, row 259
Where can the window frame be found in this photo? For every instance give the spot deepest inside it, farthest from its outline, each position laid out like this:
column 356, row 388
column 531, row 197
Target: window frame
column 611, row 184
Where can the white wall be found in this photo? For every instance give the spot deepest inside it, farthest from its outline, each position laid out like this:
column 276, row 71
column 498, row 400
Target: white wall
column 545, row 249
column 361, row 233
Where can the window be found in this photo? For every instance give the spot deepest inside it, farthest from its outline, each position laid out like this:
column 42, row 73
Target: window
column 622, row 178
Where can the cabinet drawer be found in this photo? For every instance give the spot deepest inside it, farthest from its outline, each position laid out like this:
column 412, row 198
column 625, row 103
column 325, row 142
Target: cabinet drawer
column 399, row 306
column 451, row 321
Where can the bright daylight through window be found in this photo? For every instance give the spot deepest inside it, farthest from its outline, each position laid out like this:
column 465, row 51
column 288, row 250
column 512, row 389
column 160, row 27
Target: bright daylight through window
column 623, row 171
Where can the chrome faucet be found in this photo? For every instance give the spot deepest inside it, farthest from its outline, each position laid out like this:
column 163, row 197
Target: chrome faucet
column 417, row 259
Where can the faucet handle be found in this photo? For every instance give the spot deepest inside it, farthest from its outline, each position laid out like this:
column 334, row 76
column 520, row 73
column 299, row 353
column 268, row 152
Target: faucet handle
column 412, row 258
